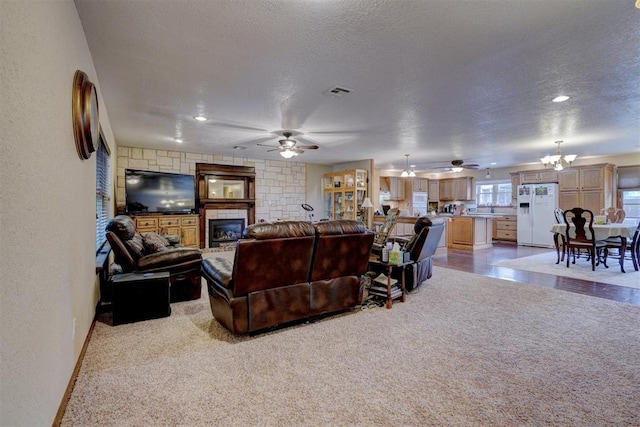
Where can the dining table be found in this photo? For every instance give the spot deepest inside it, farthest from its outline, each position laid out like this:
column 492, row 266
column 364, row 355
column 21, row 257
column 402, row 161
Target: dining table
column 601, row 232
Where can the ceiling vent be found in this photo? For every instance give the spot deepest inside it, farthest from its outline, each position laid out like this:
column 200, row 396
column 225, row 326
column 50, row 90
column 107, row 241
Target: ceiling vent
column 337, row 91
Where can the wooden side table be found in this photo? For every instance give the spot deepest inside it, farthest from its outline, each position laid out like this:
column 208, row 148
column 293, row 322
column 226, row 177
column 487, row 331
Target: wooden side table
column 389, row 268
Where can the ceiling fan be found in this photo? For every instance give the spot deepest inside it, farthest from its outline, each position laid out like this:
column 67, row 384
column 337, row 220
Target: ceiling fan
column 288, row 147
column 458, row 166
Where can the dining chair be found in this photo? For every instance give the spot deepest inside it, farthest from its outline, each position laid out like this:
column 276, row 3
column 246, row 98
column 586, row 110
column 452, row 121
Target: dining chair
column 614, row 215
column 579, row 235
column 557, row 212
column 632, row 249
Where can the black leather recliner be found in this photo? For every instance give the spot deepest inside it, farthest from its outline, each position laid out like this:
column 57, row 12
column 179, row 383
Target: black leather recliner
column 150, row 252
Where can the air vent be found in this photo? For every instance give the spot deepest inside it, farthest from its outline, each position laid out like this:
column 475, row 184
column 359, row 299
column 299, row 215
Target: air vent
column 337, row 91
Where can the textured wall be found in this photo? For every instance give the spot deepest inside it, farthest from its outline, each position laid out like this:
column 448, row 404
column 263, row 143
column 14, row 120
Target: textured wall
column 47, row 209
column 280, row 184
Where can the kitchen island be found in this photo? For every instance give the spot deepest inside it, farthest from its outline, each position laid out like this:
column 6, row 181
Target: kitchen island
column 470, row 232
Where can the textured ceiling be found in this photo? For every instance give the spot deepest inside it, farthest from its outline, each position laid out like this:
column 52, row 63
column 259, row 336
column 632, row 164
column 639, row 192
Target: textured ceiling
column 439, row 80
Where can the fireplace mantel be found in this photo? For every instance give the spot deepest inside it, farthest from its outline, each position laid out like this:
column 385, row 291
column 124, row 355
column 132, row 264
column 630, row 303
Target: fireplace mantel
column 247, row 201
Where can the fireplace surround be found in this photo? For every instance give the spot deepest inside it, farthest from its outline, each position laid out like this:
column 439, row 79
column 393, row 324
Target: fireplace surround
column 237, row 177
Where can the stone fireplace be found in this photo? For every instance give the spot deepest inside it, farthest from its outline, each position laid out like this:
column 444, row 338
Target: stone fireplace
column 223, row 231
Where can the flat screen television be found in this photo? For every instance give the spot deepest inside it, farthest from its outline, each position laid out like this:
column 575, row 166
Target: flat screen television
column 159, row 192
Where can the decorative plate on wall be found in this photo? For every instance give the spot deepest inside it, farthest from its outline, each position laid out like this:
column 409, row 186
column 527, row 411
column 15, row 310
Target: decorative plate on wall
column 86, row 125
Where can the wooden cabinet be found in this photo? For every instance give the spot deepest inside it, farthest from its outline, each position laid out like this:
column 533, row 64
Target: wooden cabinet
column 446, row 189
column 343, row 194
column 588, row 187
column 434, row 191
column 421, row 184
column 456, row 189
column 505, row 228
column 185, row 226
column 515, row 181
column 535, row 177
column 396, row 188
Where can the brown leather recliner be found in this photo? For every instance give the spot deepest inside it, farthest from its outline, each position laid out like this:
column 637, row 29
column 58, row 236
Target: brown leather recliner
column 149, row 252
column 421, row 246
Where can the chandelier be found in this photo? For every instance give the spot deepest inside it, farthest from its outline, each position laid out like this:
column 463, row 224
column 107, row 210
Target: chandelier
column 406, row 173
column 556, row 161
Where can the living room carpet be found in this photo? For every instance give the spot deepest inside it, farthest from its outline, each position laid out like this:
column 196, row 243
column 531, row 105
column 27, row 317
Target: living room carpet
column 465, row 350
column 546, row 263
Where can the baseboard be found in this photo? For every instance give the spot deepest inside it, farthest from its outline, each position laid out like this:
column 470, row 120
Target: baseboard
column 72, row 381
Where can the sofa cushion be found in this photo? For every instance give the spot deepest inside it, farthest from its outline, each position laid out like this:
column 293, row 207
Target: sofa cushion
column 275, row 230
column 153, row 242
column 343, row 226
column 169, row 258
column 218, row 269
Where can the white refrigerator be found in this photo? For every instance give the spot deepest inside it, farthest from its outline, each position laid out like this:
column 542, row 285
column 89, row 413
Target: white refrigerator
column 536, row 203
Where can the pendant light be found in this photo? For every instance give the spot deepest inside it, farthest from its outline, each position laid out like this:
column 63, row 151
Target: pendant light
column 406, row 172
column 556, row 160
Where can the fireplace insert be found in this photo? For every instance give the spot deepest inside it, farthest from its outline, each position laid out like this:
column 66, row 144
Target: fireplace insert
column 224, row 231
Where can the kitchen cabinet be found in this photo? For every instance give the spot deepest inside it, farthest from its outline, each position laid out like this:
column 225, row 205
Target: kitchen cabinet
column 588, row 187
column 535, row 177
column 421, row 184
column 457, row 189
column 505, row 228
column 434, row 190
column 515, row 181
column 185, row 226
column 396, row 188
column 343, row 194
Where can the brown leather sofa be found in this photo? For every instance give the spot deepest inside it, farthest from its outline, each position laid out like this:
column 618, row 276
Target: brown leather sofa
column 288, row 271
column 149, row 252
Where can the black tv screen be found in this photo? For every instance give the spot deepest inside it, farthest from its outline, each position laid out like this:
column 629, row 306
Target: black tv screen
column 159, row 192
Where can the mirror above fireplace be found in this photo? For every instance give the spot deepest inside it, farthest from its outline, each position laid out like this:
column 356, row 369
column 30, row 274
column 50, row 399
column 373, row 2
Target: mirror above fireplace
column 219, row 187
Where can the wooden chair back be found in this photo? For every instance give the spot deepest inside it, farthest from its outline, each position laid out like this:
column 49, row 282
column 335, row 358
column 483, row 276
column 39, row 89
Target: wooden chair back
column 614, row 215
column 582, row 221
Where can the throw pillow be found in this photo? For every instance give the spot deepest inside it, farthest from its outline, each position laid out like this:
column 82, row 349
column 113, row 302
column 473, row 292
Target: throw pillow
column 153, row 242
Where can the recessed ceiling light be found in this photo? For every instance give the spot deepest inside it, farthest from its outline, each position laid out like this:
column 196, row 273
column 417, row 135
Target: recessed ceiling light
column 560, row 98
column 179, row 140
column 200, row 118
column 493, row 163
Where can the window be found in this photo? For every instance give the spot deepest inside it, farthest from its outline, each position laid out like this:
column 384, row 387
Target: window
column 631, row 205
column 103, row 189
column 493, row 194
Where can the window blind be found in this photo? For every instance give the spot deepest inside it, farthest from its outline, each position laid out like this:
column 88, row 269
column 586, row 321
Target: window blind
column 103, row 178
column 628, row 177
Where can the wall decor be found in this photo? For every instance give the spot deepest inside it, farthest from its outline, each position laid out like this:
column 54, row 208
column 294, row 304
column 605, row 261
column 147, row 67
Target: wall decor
column 84, row 113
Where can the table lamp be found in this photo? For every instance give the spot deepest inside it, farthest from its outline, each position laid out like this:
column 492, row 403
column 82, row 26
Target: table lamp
column 366, row 205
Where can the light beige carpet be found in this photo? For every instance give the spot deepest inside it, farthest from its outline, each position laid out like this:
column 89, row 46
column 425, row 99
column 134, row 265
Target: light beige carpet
column 466, row 350
column 546, row 263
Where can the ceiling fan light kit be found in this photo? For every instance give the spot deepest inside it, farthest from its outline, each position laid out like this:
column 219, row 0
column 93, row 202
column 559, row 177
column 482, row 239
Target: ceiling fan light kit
column 555, row 161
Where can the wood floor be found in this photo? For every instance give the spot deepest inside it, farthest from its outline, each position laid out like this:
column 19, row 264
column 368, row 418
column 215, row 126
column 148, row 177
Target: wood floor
column 480, row 261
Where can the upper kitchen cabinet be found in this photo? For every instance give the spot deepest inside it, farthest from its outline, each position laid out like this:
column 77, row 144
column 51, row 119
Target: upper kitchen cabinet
column 536, row 177
column 515, row 181
column 421, row 184
column 434, row 191
column 457, row 189
column 394, row 186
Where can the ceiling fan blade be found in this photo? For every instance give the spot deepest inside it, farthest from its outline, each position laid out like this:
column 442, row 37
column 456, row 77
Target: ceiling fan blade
column 265, row 145
column 471, row 166
column 274, row 149
column 308, row 147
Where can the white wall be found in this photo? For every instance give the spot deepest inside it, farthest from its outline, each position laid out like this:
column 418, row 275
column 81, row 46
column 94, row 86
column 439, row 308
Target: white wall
column 47, row 209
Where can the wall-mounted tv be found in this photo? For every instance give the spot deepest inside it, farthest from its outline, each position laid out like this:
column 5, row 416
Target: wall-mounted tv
column 159, row 192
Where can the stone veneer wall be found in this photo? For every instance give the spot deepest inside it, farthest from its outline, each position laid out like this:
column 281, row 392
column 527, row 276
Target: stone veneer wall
column 280, row 184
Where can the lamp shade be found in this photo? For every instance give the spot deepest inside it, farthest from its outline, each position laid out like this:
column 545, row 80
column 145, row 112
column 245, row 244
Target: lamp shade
column 367, row 203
